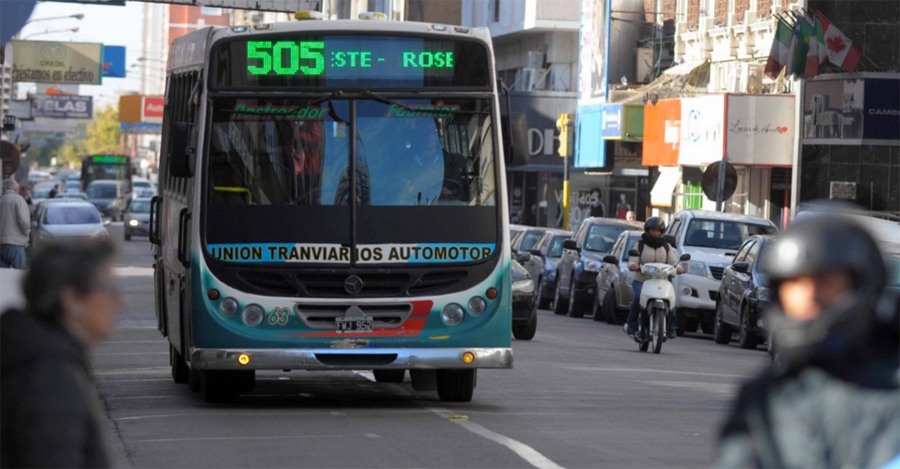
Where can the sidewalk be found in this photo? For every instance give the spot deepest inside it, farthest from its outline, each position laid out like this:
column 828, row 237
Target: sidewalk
column 11, row 289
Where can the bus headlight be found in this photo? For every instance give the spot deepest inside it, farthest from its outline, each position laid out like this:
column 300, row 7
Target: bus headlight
column 229, row 306
column 477, row 305
column 253, row 315
column 523, row 286
column 452, row 314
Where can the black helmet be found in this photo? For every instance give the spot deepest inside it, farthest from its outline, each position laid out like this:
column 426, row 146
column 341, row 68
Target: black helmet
column 817, row 245
column 654, row 223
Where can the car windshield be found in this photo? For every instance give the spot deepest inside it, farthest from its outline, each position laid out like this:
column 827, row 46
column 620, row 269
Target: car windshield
column 73, row 184
column 140, row 206
column 71, row 215
column 556, row 246
column 101, row 191
column 529, row 239
column 601, row 238
column 43, row 193
column 722, row 234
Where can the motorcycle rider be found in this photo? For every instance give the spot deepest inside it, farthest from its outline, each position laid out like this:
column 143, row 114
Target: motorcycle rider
column 652, row 248
column 833, row 402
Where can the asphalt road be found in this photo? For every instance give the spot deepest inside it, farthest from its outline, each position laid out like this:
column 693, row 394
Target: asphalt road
column 581, row 395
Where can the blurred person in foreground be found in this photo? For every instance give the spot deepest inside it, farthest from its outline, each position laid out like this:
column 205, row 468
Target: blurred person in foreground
column 15, row 225
column 51, row 416
column 833, row 401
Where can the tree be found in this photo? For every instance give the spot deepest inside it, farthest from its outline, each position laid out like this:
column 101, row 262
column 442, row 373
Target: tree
column 102, row 137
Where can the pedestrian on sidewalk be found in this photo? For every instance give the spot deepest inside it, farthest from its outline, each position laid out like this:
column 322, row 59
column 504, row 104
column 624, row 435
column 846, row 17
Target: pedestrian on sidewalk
column 15, row 225
column 50, row 415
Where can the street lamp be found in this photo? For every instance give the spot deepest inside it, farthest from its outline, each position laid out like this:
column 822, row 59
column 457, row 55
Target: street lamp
column 69, row 30
column 77, row 16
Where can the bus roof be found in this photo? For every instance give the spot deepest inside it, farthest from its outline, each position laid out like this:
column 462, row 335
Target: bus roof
column 190, row 51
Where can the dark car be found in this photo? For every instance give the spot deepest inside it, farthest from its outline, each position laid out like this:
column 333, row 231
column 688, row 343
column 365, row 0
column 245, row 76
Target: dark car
column 109, row 197
column 137, row 219
column 581, row 261
column 743, row 296
column 524, row 305
column 546, row 254
column 614, row 283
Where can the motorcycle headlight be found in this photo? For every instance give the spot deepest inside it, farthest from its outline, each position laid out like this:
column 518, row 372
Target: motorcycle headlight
column 694, row 268
column 650, row 270
column 592, row 265
column 523, row 286
column 764, row 294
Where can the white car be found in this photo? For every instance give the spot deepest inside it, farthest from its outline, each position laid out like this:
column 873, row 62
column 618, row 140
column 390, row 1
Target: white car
column 143, row 188
column 712, row 239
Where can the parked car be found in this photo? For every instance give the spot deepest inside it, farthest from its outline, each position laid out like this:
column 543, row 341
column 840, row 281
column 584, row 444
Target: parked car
column 743, row 296
column 614, row 282
column 73, row 196
column 550, row 247
column 581, row 261
column 524, row 242
column 712, row 239
column 524, row 306
column 66, row 219
column 143, row 188
column 137, row 219
column 72, row 185
column 109, row 197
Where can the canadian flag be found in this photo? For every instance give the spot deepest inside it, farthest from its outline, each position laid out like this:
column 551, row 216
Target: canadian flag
column 839, row 49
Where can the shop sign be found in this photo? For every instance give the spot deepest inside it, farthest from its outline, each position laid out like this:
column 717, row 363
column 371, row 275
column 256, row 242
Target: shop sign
column 623, row 122
column 78, row 63
column 114, row 61
column 702, row 130
column 861, row 110
column 62, row 106
column 136, row 109
column 152, row 109
column 760, row 130
column 662, row 133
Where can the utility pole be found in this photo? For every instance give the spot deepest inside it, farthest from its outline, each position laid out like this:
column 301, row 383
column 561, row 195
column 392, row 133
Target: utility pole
column 566, row 137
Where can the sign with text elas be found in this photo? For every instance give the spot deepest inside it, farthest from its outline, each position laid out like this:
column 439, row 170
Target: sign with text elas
column 114, row 61
column 702, row 130
column 62, row 106
column 759, row 130
column 78, row 63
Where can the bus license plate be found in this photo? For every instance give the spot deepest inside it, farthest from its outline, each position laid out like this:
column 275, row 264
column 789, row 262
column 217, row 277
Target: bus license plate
column 355, row 325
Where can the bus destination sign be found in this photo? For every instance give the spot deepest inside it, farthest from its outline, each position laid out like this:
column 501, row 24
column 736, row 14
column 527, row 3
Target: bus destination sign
column 336, row 61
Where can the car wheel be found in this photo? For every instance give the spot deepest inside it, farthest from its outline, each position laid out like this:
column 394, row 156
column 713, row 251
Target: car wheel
column 559, row 305
column 127, row 237
column 543, row 303
column 526, row 331
column 610, row 308
column 721, row 331
column 746, row 338
column 575, row 310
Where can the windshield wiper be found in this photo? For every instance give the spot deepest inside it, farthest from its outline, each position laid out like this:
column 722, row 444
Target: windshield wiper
column 369, row 94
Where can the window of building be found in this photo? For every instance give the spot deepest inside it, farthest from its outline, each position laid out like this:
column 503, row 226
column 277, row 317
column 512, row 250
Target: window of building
column 496, row 11
column 764, row 8
column 693, row 13
column 740, row 7
column 669, row 8
column 211, row 11
column 721, row 12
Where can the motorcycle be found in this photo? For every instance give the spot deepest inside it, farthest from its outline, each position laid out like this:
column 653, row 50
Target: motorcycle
column 657, row 301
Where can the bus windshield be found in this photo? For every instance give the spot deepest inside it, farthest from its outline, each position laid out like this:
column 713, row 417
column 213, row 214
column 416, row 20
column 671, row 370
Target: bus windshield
column 413, row 158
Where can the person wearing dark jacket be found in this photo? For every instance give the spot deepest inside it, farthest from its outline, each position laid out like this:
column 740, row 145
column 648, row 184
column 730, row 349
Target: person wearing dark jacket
column 834, row 401
column 50, row 415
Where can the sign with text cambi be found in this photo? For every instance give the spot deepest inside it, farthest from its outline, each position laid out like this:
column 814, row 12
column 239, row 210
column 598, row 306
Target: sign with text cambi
column 78, row 63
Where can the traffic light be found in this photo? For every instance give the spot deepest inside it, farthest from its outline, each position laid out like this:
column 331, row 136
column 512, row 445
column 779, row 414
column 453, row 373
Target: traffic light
column 566, row 137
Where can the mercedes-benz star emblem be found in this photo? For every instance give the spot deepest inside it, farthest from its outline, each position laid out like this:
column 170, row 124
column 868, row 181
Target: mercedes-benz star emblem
column 353, row 285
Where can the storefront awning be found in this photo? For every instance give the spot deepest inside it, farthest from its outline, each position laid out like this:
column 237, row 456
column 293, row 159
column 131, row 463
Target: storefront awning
column 661, row 194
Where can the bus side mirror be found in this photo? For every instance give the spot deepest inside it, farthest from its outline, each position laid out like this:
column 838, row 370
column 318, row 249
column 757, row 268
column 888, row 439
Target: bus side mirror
column 515, row 139
column 181, row 150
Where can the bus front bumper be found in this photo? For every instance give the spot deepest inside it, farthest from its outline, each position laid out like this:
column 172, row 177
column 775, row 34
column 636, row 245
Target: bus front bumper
column 349, row 359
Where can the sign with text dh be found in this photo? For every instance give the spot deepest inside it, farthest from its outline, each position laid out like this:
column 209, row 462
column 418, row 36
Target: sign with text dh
column 78, row 63
column 62, row 106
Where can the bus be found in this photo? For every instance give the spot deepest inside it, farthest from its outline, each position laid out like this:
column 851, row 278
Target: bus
column 332, row 197
column 110, row 167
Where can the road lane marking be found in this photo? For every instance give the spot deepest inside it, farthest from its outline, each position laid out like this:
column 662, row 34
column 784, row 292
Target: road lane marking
column 721, row 388
column 645, row 370
column 529, row 454
column 230, row 438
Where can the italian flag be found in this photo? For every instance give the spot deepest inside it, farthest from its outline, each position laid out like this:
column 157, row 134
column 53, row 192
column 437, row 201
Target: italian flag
column 779, row 54
column 838, row 48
